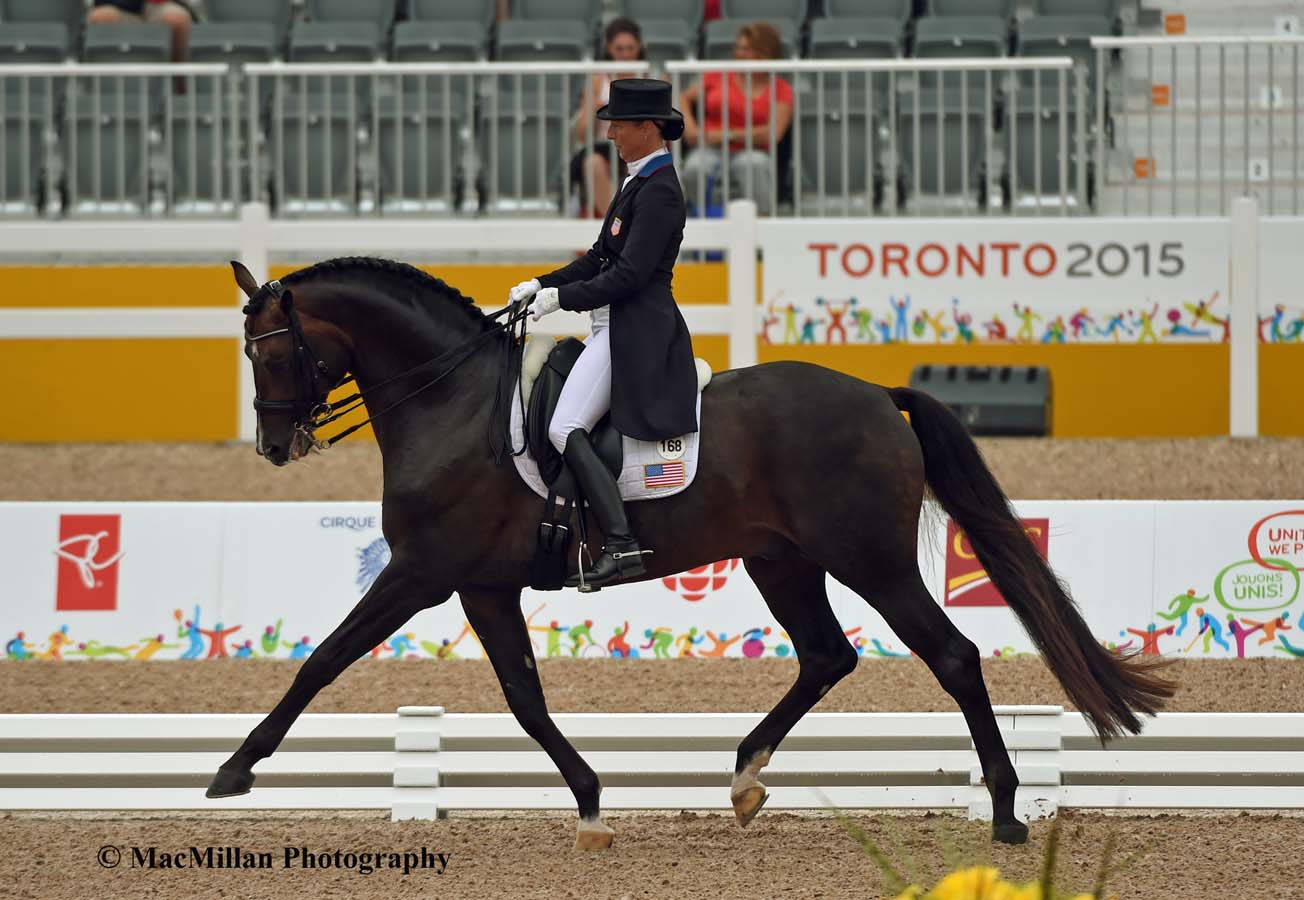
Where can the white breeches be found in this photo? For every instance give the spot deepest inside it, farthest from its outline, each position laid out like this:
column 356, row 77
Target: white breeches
column 586, row 395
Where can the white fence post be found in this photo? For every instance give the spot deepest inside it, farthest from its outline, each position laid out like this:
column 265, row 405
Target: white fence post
column 742, row 284
column 417, row 743
column 254, row 221
column 1244, row 279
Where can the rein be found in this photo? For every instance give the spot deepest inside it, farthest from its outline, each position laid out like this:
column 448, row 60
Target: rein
column 312, row 411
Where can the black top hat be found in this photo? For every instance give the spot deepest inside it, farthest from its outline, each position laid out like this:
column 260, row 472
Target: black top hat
column 638, row 99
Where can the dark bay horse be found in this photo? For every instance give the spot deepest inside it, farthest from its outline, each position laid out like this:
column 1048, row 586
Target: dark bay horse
column 773, row 488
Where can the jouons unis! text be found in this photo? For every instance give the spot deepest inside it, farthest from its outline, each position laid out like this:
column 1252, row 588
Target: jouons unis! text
column 1003, row 259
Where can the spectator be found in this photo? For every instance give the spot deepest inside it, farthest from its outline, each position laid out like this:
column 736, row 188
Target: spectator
column 175, row 16
column 771, row 97
column 623, row 41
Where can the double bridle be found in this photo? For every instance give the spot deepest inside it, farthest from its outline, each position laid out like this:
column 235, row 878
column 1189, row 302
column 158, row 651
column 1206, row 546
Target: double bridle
column 310, row 408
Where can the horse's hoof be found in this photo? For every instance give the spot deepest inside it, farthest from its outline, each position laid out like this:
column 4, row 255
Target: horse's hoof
column 230, row 783
column 594, row 835
column 1010, row 833
column 748, row 803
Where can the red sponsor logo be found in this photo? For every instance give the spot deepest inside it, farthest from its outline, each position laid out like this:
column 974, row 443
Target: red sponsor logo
column 695, row 584
column 89, row 550
column 967, row 584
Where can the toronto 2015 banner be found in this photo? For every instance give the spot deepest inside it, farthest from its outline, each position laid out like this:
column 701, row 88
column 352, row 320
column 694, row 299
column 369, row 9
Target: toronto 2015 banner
column 199, row 581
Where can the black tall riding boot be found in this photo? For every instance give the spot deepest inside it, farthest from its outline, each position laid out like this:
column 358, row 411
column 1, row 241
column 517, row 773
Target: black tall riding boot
column 621, row 557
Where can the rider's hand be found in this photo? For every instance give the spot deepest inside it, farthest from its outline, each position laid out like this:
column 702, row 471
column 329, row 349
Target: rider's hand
column 545, row 301
column 524, row 291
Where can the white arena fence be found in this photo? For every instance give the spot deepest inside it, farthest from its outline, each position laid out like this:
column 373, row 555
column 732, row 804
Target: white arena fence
column 1183, row 124
column 422, row 762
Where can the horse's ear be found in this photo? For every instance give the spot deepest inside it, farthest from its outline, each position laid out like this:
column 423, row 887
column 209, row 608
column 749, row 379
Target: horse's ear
column 244, row 279
column 287, row 301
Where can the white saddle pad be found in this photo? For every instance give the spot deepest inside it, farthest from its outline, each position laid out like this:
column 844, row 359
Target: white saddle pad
column 651, row 468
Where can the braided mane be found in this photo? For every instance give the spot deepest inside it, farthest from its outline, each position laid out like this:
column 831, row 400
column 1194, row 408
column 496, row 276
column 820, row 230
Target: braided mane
column 364, row 267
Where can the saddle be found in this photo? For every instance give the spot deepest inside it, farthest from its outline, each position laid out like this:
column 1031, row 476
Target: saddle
column 542, row 399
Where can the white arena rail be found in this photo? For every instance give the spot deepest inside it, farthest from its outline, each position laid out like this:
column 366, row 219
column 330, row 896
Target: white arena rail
column 423, row 763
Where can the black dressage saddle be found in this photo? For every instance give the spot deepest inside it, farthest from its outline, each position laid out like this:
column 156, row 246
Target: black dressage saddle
column 543, row 401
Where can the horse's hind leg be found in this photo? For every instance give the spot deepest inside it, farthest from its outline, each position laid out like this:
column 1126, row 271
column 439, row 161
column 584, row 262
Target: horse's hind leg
column 497, row 620
column 794, row 590
column 912, row 613
column 401, row 591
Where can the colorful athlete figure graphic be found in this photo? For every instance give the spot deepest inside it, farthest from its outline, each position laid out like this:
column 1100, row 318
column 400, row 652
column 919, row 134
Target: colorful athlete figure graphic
column 1054, row 331
column 1180, row 606
column 1146, row 322
column 618, row 647
column 963, row 323
column 1177, row 329
column 1150, row 638
column 217, row 637
column 151, row 645
column 900, row 333
column 753, row 645
column 1081, row 323
column 996, row 330
column 1240, row 633
column 54, row 647
column 685, row 643
column 17, row 647
column 807, row 331
column 444, row 649
column 790, row 334
column 658, row 641
column 580, row 635
column 835, row 326
column 1200, row 313
column 719, row 644
column 190, row 629
column 271, row 639
column 864, row 320
column 935, row 322
column 1270, row 627
column 1210, row 630
column 300, row 650
column 1115, row 326
column 243, row 651
column 1026, row 318
column 95, row 650
column 769, row 320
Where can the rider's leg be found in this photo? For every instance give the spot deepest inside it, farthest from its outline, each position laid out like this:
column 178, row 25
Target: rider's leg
column 584, row 400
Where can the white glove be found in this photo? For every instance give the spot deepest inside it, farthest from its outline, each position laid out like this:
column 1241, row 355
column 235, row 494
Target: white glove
column 545, row 301
column 524, row 291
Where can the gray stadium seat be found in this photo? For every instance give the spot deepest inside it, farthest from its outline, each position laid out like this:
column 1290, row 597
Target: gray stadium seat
column 22, row 146
column 542, row 41
column 418, row 154
column 719, row 35
column 1107, row 9
column 945, row 124
column 1021, row 148
column 334, row 42
column 960, row 37
column 112, row 148
column 235, row 43
column 201, row 170
column 537, row 186
column 822, row 138
column 1061, row 36
column 842, row 38
column 765, row 10
column 312, row 144
column 868, row 9
column 275, row 13
column 439, row 42
column 668, row 39
column 481, row 11
column 580, row 11
column 128, row 43
column 32, row 43
column 688, row 12
column 378, row 12
column 1002, row 9
column 70, row 13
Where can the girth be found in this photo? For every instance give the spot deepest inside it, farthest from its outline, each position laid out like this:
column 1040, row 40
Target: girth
column 543, row 403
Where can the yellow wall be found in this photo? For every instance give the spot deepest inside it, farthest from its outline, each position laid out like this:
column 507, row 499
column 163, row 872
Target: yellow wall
column 115, row 390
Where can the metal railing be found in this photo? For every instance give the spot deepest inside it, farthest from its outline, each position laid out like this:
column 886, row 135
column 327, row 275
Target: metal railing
column 916, row 136
column 1197, row 121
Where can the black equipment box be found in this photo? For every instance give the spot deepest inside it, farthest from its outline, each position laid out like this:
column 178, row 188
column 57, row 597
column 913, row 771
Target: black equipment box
column 991, row 400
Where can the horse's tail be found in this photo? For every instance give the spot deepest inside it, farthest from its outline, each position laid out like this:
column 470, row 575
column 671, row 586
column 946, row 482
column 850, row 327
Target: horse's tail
column 1109, row 688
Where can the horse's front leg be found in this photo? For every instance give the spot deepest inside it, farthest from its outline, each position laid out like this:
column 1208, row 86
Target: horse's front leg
column 496, row 618
column 401, row 591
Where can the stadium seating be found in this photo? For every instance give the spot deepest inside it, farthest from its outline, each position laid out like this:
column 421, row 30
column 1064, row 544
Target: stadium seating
column 69, row 13
column 846, row 38
column 481, row 11
column 31, row 43
column 585, row 12
column 273, row 13
column 875, row 9
column 314, row 157
column 1061, row 36
column 379, row 13
column 418, row 156
column 524, row 154
column 1028, row 147
column 234, row 43
column 949, row 171
column 22, row 141
column 718, row 37
column 765, row 10
column 666, row 39
column 1106, row 9
column 128, row 43
column 960, row 37
column 200, row 178
column 1001, row 9
column 824, row 138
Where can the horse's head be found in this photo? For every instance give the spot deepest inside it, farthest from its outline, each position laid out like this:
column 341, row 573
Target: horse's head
column 296, row 360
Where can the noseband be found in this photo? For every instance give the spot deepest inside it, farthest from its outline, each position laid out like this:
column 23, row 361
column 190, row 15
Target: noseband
column 310, row 409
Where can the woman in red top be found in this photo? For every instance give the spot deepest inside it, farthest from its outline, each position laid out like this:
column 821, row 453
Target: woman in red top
column 771, row 97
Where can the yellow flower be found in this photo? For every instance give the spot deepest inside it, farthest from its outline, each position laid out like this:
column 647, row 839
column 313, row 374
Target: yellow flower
column 968, row 884
column 914, row 892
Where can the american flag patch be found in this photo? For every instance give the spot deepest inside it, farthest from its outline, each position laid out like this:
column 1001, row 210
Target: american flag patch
column 659, row 475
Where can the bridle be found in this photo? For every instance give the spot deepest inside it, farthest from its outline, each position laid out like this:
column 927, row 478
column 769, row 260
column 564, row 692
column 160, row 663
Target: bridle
column 310, row 409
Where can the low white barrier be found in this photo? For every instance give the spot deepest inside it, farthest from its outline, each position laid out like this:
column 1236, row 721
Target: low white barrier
column 423, row 763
